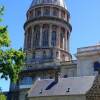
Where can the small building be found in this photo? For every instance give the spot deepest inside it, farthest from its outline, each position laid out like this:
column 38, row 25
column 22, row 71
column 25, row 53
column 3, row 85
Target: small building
column 72, row 88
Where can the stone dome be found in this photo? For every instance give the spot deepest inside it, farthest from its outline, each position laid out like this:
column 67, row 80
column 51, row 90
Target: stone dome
column 54, row 2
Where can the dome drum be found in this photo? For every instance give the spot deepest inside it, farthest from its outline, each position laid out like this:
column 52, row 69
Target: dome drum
column 50, row 29
column 48, row 11
column 47, row 27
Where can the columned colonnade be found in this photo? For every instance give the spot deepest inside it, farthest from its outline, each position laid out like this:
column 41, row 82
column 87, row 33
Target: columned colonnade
column 45, row 36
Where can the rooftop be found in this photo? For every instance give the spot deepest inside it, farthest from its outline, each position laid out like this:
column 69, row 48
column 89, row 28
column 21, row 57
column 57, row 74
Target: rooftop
column 65, row 86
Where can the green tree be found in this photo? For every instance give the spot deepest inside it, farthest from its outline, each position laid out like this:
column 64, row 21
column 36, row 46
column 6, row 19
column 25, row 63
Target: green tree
column 2, row 97
column 11, row 60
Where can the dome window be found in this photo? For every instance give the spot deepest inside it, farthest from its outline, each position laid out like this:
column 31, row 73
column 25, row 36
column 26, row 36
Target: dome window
column 55, row 11
column 46, row 11
column 38, row 12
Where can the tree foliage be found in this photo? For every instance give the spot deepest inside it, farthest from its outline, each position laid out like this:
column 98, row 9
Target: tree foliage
column 11, row 60
column 2, row 97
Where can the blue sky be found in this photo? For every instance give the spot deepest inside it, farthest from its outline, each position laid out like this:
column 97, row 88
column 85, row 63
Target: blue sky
column 85, row 20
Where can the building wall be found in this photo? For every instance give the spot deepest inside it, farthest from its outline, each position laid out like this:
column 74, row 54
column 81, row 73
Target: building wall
column 78, row 97
column 23, row 94
column 69, row 70
column 85, row 63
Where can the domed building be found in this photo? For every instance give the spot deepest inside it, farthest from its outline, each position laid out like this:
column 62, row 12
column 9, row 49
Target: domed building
column 47, row 31
column 50, row 72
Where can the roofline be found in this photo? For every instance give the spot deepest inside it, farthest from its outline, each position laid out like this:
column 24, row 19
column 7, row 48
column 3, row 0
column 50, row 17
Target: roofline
column 58, row 95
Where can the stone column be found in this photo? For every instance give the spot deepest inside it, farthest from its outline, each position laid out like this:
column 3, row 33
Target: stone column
column 32, row 37
column 25, row 45
column 65, row 40
column 40, row 35
column 26, row 36
column 51, row 11
column 33, row 12
column 63, row 43
column 50, row 33
column 68, row 41
column 42, row 11
column 65, row 16
column 59, row 13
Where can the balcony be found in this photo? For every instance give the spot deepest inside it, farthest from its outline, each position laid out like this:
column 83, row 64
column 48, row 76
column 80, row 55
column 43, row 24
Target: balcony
column 39, row 60
column 42, row 66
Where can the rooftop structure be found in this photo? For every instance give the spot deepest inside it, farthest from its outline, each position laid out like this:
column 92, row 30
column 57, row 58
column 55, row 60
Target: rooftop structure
column 65, row 86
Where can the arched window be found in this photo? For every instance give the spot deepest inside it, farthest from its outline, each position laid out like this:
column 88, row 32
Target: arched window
column 65, row 76
column 51, row 54
column 29, row 37
column 62, row 14
column 33, row 55
column 96, row 66
column 62, row 38
column 57, row 54
column 45, row 36
column 31, row 14
column 54, row 33
column 44, row 55
column 63, row 57
column 55, row 11
column 36, row 36
column 38, row 12
column 46, row 11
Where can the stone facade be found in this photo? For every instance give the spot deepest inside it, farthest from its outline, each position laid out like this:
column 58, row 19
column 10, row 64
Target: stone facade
column 86, row 58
